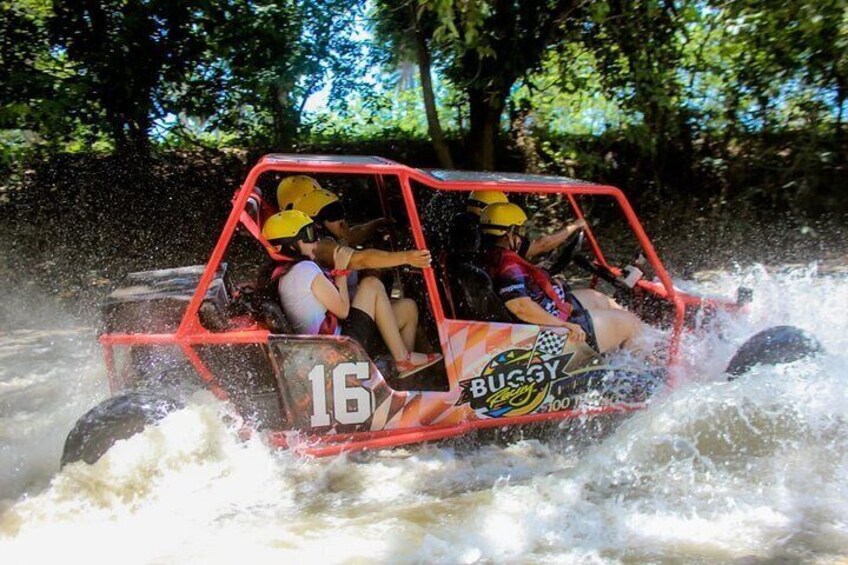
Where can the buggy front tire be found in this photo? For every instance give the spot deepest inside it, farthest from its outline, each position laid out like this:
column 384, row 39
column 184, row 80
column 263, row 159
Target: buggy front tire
column 114, row 419
column 779, row 344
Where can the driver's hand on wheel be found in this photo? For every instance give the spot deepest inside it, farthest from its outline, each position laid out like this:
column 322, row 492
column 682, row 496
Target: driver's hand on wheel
column 575, row 333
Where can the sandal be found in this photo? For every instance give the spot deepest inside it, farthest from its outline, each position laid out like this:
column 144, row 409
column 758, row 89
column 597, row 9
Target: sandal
column 406, row 368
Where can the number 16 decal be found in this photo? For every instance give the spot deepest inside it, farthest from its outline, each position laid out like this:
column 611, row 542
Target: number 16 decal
column 343, row 396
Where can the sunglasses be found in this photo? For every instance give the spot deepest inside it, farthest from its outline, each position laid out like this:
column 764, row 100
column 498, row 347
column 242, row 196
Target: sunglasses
column 307, row 234
column 515, row 230
column 476, row 204
column 332, row 212
column 519, row 230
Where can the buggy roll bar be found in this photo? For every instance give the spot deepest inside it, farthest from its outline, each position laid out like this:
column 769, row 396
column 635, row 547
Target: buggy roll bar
column 378, row 166
column 191, row 332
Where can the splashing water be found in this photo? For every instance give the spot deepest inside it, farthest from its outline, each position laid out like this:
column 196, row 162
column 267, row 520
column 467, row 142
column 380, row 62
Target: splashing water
column 750, row 471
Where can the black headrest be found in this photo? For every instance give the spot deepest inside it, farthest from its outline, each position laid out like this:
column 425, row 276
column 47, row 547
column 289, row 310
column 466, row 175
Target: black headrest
column 464, row 233
column 475, row 295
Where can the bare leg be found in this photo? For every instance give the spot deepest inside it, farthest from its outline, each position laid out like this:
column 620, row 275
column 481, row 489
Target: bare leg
column 591, row 299
column 371, row 298
column 614, row 328
column 406, row 313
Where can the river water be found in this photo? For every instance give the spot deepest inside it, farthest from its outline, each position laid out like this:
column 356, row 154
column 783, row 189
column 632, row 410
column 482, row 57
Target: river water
column 753, row 471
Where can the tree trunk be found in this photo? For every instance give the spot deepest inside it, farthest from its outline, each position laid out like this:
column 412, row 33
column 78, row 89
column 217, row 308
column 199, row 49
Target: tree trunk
column 485, row 111
column 131, row 134
column 116, row 127
column 140, row 133
column 433, row 125
column 285, row 125
column 765, row 116
column 841, row 94
column 838, row 127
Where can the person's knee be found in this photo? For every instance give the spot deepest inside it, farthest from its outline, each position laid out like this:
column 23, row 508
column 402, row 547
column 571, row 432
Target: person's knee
column 406, row 312
column 371, row 285
column 631, row 322
column 408, row 306
column 596, row 295
column 369, row 282
column 605, row 301
column 591, row 299
column 615, row 327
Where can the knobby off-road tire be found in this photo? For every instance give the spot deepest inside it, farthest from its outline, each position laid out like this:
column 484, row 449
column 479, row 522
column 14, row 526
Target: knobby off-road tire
column 112, row 420
column 780, row 344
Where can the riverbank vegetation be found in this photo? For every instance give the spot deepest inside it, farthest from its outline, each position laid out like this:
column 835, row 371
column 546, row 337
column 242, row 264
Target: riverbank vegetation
column 716, row 100
column 116, row 115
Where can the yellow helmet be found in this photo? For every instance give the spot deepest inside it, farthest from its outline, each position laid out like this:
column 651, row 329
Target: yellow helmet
column 479, row 199
column 318, row 203
column 292, row 189
column 285, row 228
column 501, row 217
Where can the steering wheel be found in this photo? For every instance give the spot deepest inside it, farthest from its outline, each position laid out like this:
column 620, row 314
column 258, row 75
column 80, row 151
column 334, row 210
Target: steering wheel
column 570, row 248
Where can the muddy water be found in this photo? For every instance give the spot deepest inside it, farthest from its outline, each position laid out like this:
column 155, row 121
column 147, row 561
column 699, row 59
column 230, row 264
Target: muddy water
column 754, row 471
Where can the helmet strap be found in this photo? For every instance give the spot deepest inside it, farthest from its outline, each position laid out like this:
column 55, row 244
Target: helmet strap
column 523, row 246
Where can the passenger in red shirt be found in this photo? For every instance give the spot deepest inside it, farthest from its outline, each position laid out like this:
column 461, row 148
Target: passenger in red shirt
column 533, row 296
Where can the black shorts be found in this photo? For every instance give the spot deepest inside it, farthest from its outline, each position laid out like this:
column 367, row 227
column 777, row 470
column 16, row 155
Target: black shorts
column 359, row 326
column 581, row 317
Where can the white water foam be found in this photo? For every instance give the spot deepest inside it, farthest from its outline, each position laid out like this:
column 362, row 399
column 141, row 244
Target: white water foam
column 751, row 471
column 47, row 379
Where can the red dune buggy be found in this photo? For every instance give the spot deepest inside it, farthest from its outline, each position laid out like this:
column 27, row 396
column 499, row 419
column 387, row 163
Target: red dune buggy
column 172, row 331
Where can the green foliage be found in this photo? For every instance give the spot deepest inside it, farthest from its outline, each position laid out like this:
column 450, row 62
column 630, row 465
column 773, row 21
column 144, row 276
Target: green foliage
column 805, row 43
column 39, row 100
column 637, row 46
column 391, row 27
column 265, row 59
column 484, row 47
column 396, row 113
column 181, row 71
column 666, row 96
column 567, row 94
column 126, row 52
column 242, row 83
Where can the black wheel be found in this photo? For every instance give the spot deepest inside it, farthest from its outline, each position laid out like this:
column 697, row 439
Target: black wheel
column 780, row 344
column 114, row 419
column 570, row 248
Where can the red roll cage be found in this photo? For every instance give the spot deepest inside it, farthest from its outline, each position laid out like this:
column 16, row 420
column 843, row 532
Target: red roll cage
column 191, row 332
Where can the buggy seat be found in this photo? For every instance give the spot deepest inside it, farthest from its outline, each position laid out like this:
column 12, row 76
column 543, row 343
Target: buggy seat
column 471, row 292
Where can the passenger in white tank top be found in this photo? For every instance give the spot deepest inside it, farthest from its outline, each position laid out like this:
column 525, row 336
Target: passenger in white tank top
column 292, row 232
column 302, row 307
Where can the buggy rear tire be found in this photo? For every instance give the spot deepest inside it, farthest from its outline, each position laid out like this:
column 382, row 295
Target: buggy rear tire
column 114, row 419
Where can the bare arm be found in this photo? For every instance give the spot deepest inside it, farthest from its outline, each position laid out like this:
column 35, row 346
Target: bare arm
column 334, row 297
column 327, row 251
column 550, row 242
column 376, row 259
column 526, row 310
column 364, row 232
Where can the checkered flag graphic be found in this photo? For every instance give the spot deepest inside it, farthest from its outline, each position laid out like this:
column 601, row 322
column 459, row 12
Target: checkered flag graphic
column 550, row 343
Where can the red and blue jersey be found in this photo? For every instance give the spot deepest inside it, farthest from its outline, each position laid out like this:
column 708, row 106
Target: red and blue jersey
column 514, row 277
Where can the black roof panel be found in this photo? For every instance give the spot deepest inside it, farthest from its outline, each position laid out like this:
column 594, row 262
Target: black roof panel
column 325, row 159
column 473, row 177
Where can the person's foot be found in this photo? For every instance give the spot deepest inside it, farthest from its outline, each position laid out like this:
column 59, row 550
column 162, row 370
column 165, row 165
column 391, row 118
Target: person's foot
column 416, row 362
